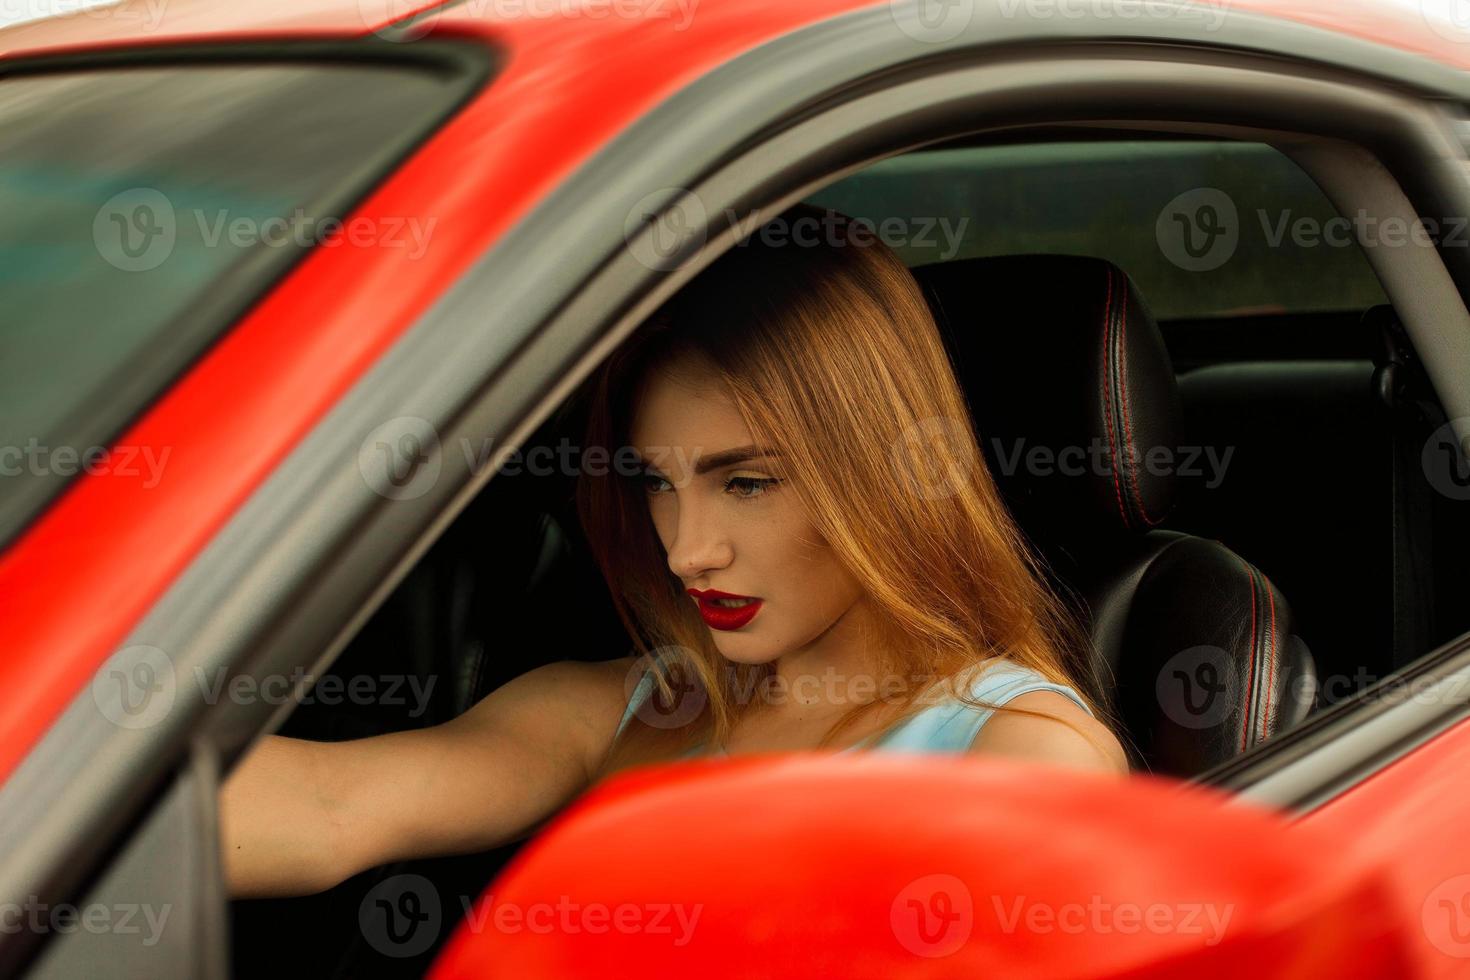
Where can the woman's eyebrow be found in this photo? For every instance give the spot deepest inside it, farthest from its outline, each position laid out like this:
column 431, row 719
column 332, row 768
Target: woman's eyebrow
column 729, row 457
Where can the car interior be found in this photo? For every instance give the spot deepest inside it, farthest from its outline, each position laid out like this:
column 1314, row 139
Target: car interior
column 1283, row 555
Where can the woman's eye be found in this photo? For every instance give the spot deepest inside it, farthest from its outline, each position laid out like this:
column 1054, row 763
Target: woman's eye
column 746, row 487
column 653, row 483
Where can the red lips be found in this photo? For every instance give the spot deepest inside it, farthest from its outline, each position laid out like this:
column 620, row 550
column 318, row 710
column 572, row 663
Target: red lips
column 720, row 617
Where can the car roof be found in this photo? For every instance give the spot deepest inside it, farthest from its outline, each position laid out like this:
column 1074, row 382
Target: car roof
column 1408, row 25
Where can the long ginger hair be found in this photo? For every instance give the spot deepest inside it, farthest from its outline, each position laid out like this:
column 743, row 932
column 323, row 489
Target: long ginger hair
column 833, row 359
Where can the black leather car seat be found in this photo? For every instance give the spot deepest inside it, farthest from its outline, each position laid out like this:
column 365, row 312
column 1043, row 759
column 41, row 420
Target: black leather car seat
column 1078, row 413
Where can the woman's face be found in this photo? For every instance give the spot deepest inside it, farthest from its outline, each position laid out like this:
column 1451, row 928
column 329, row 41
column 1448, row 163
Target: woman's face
column 729, row 521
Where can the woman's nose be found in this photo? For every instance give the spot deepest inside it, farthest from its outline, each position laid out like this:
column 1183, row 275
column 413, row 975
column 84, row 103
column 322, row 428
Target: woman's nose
column 700, row 543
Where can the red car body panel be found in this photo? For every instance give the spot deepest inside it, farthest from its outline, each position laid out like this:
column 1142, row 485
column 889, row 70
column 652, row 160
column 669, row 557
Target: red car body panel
column 988, row 869
column 1413, row 810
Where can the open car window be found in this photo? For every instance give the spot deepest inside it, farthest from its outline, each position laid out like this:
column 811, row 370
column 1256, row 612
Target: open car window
column 1206, row 228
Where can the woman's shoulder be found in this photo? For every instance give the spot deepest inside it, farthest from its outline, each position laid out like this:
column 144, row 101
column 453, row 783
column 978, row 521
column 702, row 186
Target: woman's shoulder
column 1051, row 722
column 960, row 714
column 998, row 680
column 1053, row 729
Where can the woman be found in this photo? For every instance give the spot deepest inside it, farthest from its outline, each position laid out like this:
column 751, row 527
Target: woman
column 810, row 555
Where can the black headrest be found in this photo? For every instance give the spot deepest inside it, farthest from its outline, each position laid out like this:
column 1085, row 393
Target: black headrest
column 1072, row 390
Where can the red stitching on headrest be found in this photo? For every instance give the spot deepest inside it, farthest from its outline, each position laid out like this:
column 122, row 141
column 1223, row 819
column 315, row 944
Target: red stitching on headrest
column 1108, row 396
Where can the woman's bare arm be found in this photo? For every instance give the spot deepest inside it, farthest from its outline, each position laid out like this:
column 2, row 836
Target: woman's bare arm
column 298, row 817
column 1060, row 733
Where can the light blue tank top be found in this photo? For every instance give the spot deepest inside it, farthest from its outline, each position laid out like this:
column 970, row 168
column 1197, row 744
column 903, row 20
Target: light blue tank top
column 948, row 725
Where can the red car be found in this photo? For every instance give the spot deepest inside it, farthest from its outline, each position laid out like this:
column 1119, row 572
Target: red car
column 286, row 284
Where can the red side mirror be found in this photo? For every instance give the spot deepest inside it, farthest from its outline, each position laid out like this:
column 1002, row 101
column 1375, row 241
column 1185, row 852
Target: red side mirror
column 891, row 865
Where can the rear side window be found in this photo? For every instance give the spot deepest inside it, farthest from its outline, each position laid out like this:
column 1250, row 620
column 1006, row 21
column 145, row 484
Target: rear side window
column 1205, row 228
column 144, row 208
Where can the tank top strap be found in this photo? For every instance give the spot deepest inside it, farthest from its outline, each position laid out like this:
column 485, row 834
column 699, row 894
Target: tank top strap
column 641, row 693
column 951, row 725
